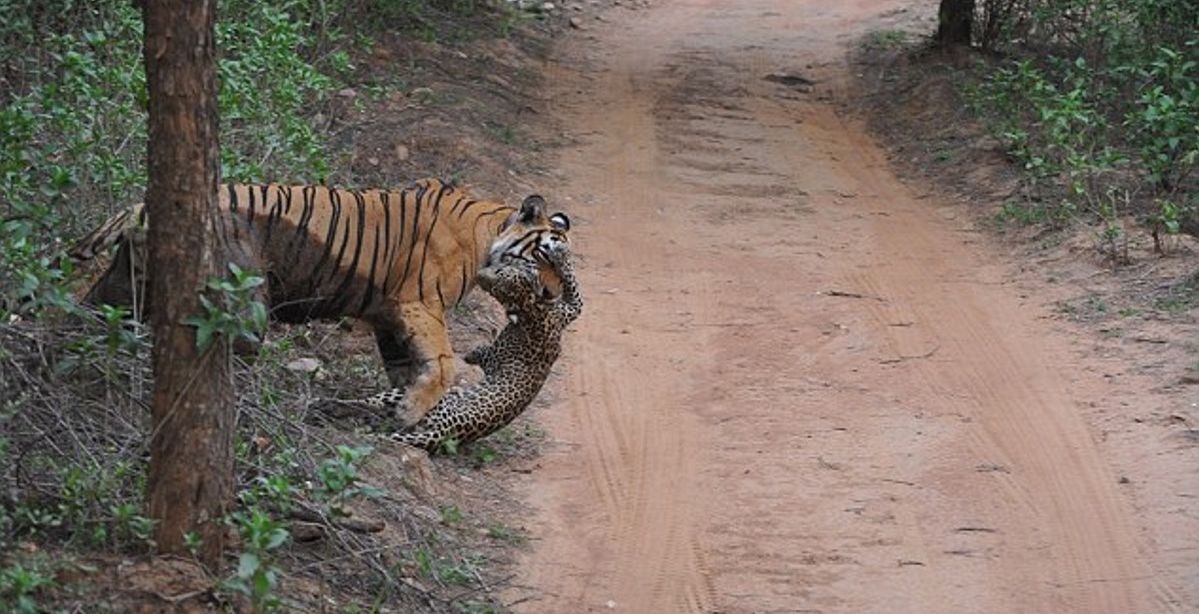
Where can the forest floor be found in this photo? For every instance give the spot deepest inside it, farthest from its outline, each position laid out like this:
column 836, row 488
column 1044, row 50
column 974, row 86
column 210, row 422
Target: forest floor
column 456, row 102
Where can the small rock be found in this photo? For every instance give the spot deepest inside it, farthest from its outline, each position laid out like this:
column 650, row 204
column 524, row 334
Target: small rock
column 348, row 92
column 421, row 588
column 576, row 23
column 373, row 161
column 304, row 365
column 547, row 6
column 402, row 152
column 306, row 531
column 611, row 604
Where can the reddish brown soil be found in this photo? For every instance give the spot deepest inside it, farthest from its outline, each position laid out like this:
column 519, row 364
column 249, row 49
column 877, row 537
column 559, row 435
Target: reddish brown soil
column 801, row 385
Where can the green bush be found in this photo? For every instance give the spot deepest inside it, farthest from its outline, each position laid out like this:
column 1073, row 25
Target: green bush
column 1166, row 118
column 18, row 586
column 1099, row 102
column 73, row 126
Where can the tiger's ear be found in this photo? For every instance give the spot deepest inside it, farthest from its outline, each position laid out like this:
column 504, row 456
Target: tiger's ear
column 532, row 208
column 560, row 221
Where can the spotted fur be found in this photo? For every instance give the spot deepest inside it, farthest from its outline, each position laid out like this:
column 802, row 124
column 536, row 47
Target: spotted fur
column 514, row 367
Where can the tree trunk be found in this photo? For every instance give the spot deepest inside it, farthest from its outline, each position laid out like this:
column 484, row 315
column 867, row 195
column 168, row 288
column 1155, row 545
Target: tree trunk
column 191, row 449
column 956, row 22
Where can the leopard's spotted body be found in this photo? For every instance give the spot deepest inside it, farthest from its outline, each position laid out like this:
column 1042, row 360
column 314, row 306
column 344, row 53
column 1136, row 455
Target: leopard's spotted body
column 514, row 367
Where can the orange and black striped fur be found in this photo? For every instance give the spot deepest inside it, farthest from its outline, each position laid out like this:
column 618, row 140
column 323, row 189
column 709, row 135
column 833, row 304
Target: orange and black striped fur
column 394, row 259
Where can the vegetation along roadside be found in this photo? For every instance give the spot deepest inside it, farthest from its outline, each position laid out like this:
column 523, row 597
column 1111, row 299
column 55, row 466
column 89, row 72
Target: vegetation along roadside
column 344, row 92
column 1074, row 133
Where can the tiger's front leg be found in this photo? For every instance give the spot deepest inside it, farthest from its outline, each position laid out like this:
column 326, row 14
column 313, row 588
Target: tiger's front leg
column 399, row 359
column 429, row 341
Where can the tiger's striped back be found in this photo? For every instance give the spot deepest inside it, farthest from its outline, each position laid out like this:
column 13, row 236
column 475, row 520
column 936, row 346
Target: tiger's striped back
column 334, row 252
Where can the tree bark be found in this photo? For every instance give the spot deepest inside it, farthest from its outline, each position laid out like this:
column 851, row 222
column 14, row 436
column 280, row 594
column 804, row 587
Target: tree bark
column 956, row 22
column 191, row 449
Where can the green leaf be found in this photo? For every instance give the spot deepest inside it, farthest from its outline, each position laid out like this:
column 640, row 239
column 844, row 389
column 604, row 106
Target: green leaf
column 247, row 565
column 278, row 536
column 258, row 315
column 204, row 337
column 262, row 584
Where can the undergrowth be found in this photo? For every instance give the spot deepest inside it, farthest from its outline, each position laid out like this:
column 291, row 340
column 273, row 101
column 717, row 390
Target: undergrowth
column 1098, row 101
column 74, row 382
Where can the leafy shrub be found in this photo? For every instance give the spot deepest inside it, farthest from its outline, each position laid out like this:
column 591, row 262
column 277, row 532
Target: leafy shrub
column 73, row 129
column 1100, row 103
column 18, row 586
column 1166, row 118
column 339, row 479
column 268, row 83
column 257, row 574
column 233, row 311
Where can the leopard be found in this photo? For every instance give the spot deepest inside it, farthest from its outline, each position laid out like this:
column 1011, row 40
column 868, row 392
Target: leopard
column 515, row 366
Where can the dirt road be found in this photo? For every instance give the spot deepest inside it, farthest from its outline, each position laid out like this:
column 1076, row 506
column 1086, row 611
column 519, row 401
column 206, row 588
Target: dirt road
column 799, row 386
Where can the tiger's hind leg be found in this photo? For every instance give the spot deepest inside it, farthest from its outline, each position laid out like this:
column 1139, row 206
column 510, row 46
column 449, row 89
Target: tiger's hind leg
column 123, row 283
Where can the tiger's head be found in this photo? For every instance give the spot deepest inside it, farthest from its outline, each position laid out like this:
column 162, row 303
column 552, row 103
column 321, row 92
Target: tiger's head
column 527, row 234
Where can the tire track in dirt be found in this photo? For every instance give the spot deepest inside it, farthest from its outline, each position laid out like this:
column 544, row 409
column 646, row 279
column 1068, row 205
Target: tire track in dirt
column 795, row 388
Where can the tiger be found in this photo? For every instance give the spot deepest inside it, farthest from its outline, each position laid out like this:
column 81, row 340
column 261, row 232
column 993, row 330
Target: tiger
column 394, row 259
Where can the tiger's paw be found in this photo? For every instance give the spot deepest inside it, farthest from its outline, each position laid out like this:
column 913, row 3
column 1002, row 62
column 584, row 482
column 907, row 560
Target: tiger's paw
column 405, row 414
